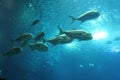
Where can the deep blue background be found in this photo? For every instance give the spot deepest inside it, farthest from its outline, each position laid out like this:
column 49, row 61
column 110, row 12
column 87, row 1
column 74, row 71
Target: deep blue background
column 61, row 62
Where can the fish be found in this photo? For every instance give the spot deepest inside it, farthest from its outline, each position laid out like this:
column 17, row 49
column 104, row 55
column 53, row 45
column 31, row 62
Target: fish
column 40, row 36
column 39, row 46
column 109, row 42
column 116, row 39
column 24, row 38
column 76, row 34
column 13, row 51
column 92, row 14
column 35, row 22
column 60, row 39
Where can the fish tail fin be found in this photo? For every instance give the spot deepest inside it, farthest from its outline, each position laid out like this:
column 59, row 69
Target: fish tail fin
column 44, row 40
column 24, row 44
column 73, row 19
column 60, row 30
column 35, row 41
column 54, row 45
column 30, row 46
column 4, row 54
column 82, row 21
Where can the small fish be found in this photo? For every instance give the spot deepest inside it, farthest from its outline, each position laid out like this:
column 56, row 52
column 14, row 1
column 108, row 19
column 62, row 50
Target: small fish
column 35, row 22
column 13, row 51
column 109, row 42
column 117, row 39
column 40, row 36
column 92, row 14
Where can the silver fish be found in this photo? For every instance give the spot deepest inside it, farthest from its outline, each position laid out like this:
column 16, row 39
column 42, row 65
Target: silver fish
column 38, row 46
column 24, row 38
column 60, row 39
column 92, row 14
column 77, row 34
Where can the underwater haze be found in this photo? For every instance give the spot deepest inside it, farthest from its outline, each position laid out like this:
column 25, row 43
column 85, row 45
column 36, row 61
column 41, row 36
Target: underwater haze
column 95, row 59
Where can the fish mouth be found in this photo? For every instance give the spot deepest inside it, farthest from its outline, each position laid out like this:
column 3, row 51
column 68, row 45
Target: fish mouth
column 98, row 14
column 89, row 37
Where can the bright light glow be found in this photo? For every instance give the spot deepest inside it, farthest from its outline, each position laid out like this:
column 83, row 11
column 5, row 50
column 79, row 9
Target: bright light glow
column 99, row 35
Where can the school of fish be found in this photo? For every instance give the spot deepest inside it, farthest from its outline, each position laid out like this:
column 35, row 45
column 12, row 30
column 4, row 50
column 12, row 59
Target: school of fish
column 39, row 42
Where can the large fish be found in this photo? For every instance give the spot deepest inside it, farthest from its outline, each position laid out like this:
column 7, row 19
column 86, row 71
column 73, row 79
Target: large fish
column 38, row 46
column 24, row 38
column 92, row 14
column 76, row 34
column 60, row 39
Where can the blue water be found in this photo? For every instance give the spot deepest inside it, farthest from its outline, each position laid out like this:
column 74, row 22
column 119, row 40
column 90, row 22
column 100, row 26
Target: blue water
column 80, row 60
